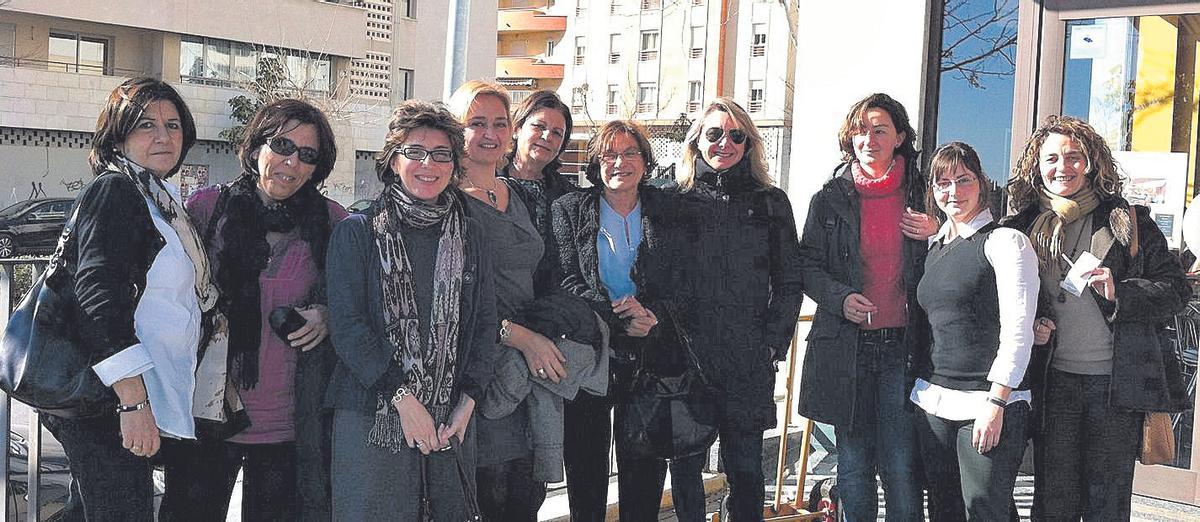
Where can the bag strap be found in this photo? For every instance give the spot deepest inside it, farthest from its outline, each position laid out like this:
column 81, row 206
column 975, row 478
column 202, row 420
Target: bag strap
column 56, row 259
column 468, row 485
column 424, row 510
column 1133, row 232
column 219, row 210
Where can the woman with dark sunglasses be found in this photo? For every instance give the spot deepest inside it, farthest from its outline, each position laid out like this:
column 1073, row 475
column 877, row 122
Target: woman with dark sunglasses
column 741, row 291
column 863, row 253
column 267, row 233
column 412, row 309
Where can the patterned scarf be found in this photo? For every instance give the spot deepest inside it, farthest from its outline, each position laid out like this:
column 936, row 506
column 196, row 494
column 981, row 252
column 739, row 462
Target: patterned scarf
column 152, row 188
column 1058, row 212
column 430, row 368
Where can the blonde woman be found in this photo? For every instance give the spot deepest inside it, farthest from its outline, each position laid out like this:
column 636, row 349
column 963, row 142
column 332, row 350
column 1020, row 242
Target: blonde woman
column 741, row 290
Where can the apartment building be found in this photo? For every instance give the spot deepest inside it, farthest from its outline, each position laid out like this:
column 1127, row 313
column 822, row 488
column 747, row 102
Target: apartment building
column 657, row 61
column 356, row 59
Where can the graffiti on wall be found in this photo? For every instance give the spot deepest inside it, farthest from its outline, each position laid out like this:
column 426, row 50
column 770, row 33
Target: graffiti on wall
column 36, row 190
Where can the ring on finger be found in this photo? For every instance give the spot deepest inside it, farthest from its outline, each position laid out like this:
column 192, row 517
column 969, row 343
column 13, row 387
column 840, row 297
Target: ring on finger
column 541, row 372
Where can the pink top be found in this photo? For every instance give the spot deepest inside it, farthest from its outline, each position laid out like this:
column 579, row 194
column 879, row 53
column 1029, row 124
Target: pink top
column 881, row 244
column 290, row 279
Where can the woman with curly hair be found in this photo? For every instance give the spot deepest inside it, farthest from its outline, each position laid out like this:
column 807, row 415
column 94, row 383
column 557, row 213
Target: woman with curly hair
column 413, row 324
column 1066, row 195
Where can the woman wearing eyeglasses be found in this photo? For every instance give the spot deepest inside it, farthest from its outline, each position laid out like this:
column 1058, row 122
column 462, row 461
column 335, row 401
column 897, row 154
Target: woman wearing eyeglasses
column 980, row 291
column 862, row 254
column 741, row 294
column 267, row 233
column 413, row 323
column 611, row 243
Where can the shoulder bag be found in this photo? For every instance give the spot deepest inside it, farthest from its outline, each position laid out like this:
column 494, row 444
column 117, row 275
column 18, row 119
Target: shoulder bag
column 43, row 362
column 425, row 509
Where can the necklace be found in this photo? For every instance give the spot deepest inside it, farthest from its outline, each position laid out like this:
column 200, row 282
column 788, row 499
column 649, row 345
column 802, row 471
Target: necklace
column 491, row 194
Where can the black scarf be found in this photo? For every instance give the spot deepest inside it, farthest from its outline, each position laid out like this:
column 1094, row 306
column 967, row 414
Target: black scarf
column 245, row 253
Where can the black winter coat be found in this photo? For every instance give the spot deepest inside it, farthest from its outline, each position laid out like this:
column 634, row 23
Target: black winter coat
column 832, row 264
column 740, row 287
column 576, row 218
column 1151, row 289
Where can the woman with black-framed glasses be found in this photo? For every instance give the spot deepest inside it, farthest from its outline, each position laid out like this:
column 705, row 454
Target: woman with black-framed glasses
column 266, row 233
column 413, row 320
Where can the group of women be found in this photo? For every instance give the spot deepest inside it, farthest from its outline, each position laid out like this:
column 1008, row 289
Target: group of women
column 467, row 337
column 956, row 341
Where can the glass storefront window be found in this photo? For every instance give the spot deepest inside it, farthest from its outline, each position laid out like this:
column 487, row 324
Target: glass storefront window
column 1134, row 80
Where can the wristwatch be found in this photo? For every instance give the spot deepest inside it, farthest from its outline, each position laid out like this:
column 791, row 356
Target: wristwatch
column 400, row 394
column 505, row 331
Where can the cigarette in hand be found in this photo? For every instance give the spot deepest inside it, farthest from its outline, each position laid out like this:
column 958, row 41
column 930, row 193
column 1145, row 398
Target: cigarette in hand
column 868, row 317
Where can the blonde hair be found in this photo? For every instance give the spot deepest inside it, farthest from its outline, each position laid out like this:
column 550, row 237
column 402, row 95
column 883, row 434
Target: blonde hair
column 465, row 97
column 754, row 154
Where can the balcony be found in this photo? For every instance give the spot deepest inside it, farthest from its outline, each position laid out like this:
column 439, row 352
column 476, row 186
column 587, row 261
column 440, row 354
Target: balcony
column 528, row 21
column 527, row 67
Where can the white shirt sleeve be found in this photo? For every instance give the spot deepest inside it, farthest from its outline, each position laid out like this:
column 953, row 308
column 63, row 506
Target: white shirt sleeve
column 1015, row 264
column 129, row 362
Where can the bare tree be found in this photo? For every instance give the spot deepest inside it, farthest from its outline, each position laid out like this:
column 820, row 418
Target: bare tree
column 979, row 43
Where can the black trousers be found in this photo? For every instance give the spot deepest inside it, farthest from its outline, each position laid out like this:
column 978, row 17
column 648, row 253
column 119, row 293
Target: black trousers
column 964, row 484
column 508, row 493
column 741, row 459
column 640, row 486
column 108, row 483
column 1084, row 454
column 587, row 435
column 200, row 476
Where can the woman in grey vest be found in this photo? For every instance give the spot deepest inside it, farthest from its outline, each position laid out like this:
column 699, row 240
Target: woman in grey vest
column 980, row 292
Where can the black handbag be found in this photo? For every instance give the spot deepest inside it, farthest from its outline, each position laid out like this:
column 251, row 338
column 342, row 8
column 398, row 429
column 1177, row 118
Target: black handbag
column 43, row 362
column 669, row 416
column 425, row 510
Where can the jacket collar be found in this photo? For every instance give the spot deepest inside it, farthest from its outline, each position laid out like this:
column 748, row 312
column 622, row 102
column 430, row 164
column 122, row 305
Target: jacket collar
column 733, row 180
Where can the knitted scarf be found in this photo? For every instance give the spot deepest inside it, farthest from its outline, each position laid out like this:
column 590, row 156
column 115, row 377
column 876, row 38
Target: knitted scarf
column 153, row 188
column 244, row 255
column 430, row 368
column 1057, row 212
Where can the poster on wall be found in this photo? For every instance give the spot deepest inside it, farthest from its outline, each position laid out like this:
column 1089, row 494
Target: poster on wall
column 1157, row 180
column 192, row 177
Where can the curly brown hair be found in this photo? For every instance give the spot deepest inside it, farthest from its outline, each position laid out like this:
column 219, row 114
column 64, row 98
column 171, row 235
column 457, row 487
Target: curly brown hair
column 418, row 114
column 1102, row 171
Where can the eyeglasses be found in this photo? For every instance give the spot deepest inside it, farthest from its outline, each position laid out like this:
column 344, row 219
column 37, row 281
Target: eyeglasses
column 945, row 184
column 285, row 147
column 419, row 154
column 629, row 155
column 713, row 135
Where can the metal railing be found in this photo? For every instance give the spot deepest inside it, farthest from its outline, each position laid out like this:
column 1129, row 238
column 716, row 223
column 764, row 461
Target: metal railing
column 33, row 438
column 48, row 65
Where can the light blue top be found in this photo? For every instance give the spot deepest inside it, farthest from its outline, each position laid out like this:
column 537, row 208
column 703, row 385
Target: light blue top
column 617, row 246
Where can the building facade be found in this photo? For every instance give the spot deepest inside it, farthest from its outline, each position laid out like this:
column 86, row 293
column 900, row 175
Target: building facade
column 355, row 59
column 655, row 61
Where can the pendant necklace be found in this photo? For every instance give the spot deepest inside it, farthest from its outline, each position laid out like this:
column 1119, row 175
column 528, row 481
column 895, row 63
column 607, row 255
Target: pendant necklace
column 491, row 194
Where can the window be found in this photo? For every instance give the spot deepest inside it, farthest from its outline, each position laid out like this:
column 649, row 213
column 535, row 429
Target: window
column 580, row 49
column 210, row 61
column 8, row 43
column 649, row 49
column 651, row 4
column 758, row 43
column 406, row 8
column 519, row 96
column 647, row 97
column 549, row 48
column 614, row 96
column 405, row 83
column 614, row 54
column 756, row 95
column 71, row 52
column 697, row 46
column 577, row 100
column 695, row 95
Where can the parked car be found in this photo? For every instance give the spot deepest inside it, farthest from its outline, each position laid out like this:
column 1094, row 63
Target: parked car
column 32, row 226
column 360, row 206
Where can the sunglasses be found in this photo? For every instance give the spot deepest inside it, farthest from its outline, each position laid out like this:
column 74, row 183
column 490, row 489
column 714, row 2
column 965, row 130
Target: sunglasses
column 285, row 147
column 714, row 134
column 419, row 154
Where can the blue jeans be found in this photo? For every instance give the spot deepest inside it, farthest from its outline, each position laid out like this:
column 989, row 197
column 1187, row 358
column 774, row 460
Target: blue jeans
column 108, row 483
column 881, row 439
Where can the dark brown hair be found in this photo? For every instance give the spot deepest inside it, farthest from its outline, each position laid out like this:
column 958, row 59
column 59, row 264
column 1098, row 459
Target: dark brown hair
column 417, row 114
column 120, row 115
column 537, row 101
column 604, row 139
column 268, row 122
column 857, row 116
column 946, row 160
